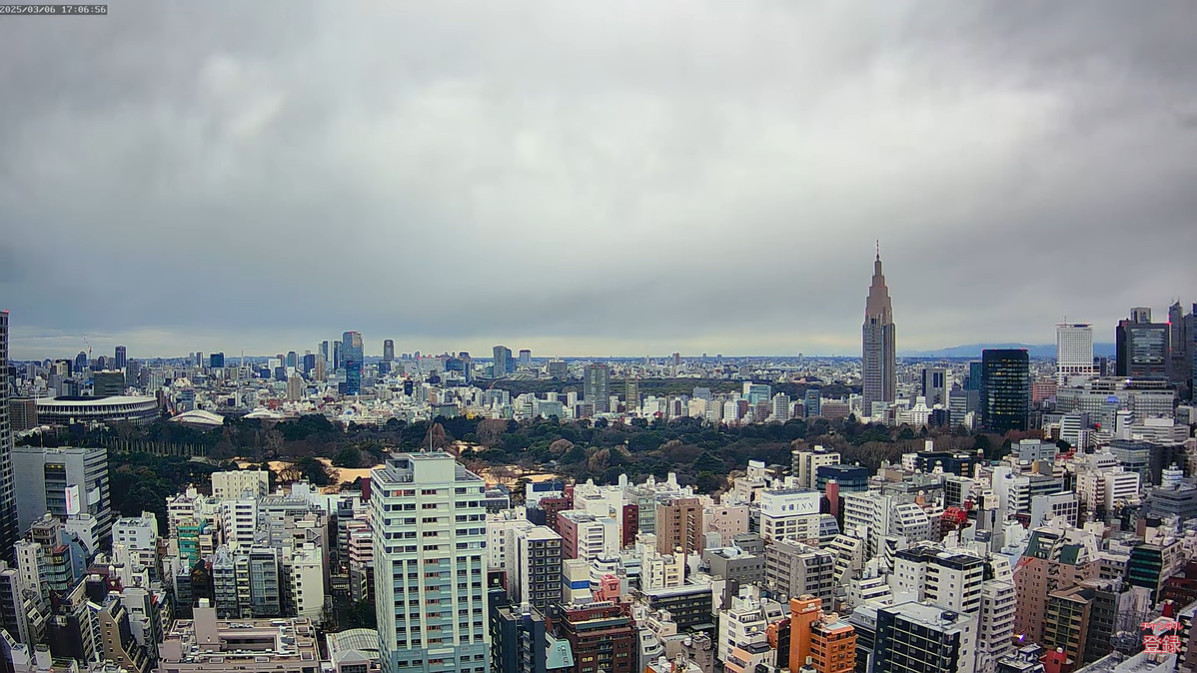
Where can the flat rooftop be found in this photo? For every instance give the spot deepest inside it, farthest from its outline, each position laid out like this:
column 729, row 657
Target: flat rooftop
column 931, row 616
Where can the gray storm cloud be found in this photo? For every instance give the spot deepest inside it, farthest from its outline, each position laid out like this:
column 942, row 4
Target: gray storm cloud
column 591, row 178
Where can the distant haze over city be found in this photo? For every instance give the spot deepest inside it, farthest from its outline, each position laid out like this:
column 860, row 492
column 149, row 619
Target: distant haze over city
column 612, row 179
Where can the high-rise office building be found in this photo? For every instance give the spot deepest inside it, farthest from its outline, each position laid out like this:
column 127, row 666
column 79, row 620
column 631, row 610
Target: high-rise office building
column 878, row 371
column 1178, row 339
column 631, row 393
column 22, row 414
column 292, row 360
column 1142, row 346
column 1005, row 389
column 430, row 565
column 337, row 361
column 935, row 385
column 9, row 532
column 122, row 357
column 388, row 350
column 308, row 363
column 1191, row 348
column 502, row 362
column 107, row 384
column 216, row 361
column 64, row 482
column 973, row 380
column 351, row 353
column 596, row 384
column 324, row 350
column 525, row 360
column 1074, row 351
column 812, row 403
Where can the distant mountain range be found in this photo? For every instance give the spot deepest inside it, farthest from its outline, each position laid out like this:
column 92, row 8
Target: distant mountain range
column 974, row 350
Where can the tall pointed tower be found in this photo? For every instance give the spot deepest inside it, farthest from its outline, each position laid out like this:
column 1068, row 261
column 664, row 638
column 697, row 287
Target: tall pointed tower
column 878, row 355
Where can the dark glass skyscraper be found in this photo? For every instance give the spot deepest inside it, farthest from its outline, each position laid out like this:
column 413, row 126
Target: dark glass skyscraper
column 1142, row 347
column 388, row 350
column 9, row 531
column 1178, row 340
column 502, row 362
column 351, row 355
column 122, row 358
column 1005, row 389
column 878, row 367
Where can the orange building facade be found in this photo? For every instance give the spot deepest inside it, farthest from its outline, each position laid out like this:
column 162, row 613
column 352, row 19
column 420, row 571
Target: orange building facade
column 820, row 639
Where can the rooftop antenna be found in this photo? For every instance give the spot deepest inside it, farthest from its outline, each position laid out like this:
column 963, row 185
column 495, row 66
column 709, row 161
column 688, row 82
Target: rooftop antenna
column 879, row 248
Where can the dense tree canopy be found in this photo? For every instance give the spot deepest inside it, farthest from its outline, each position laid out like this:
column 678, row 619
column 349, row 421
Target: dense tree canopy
column 699, row 452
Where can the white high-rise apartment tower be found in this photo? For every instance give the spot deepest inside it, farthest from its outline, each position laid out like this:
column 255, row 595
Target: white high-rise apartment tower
column 1074, row 351
column 430, row 565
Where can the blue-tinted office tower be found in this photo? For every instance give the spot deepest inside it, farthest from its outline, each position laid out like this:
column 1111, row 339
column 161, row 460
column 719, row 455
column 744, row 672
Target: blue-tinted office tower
column 812, row 404
column 292, row 359
column 216, row 361
column 351, row 355
column 324, row 350
column 1005, row 389
column 973, row 382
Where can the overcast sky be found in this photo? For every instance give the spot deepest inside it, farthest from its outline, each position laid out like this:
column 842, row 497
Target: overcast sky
column 606, row 178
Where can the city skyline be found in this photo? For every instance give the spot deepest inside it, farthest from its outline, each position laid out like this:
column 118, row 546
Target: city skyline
column 878, row 310
column 543, row 337
column 660, row 184
column 67, row 346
